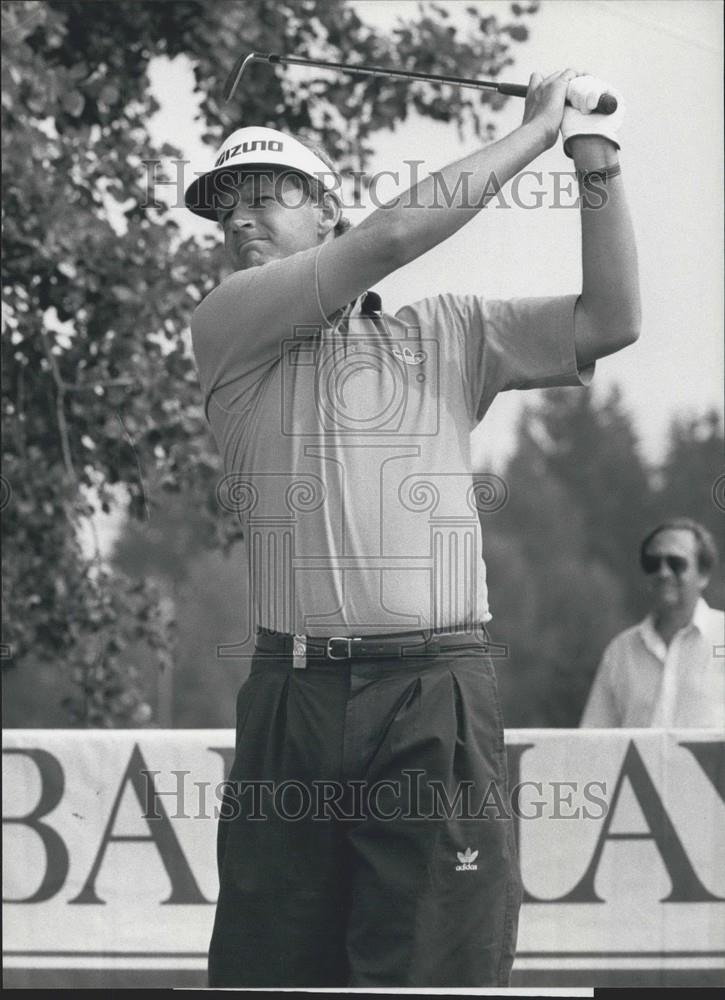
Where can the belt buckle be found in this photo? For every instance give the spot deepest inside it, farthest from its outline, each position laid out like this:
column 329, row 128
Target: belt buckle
column 339, row 638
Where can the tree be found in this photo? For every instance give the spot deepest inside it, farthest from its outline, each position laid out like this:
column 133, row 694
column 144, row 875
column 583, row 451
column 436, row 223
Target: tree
column 691, row 482
column 561, row 554
column 100, row 396
column 592, row 447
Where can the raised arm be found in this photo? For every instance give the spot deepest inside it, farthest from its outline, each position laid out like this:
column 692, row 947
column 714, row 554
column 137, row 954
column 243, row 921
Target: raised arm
column 271, row 300
column 424, row 216
column 608, row 314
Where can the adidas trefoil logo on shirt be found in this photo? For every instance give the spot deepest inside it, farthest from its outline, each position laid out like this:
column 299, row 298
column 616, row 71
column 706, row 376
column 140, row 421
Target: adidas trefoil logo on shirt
column 467, row 858
column 408, row 357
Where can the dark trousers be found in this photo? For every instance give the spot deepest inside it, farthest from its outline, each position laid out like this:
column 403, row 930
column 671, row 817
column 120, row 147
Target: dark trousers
column 367, row 839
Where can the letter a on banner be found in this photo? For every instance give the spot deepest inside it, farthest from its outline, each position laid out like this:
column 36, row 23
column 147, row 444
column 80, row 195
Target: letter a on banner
column 686, row 886
column 161, row 833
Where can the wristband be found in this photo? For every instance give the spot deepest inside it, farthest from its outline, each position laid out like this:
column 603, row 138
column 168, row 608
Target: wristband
column 592, row 184
column 588, row 178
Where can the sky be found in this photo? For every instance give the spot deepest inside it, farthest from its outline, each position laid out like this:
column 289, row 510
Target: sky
column 665, row 56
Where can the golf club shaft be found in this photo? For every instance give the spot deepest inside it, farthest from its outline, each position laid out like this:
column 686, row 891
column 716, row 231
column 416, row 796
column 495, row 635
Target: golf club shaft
column 607, row 103
column 403, row 74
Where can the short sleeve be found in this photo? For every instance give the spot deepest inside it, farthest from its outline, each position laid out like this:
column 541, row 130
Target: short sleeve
column 520, row 344
column 601, row 710
column 504, row 344
column 241, row 327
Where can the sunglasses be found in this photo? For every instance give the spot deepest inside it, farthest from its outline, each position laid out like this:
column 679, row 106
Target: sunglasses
column 651, row 564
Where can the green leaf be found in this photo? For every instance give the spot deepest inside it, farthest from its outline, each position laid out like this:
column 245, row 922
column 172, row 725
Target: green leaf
column 73, row 102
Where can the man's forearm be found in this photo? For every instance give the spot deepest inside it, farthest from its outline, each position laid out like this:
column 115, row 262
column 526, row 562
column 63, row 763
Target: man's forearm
column 608, row 313
column 442, row 203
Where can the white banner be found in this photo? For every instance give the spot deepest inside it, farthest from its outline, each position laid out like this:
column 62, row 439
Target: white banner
column 109, row 857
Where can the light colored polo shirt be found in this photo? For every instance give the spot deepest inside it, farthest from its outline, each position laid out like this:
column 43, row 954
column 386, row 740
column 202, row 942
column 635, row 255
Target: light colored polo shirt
column 641, row 681
column 346, row 445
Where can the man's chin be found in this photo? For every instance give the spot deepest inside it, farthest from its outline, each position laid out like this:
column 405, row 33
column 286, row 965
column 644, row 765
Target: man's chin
column 667, row 600
column 254, row 257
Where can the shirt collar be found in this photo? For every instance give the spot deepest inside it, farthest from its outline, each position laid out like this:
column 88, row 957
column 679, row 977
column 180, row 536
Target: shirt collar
column 372, row 304
column 701, row 614
column 651, row 637
column 654, row 641
column 367, row 304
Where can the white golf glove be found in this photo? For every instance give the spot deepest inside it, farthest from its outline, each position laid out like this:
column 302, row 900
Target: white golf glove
column 580, row 119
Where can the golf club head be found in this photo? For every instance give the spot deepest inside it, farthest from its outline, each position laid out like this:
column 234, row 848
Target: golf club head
column 233, row 80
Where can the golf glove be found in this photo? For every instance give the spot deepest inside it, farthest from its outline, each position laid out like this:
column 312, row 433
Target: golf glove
column 583, row 93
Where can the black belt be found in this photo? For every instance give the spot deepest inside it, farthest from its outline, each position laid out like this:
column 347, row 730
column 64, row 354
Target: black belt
column 350, row 647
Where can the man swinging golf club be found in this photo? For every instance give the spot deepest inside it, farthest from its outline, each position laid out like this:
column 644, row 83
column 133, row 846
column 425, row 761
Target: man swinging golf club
column 364, row 839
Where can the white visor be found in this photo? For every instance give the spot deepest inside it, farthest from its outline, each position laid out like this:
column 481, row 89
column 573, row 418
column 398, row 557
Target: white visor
column 249, row 149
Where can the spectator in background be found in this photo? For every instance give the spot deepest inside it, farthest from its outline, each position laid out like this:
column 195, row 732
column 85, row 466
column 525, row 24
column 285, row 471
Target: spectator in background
column 669, row 670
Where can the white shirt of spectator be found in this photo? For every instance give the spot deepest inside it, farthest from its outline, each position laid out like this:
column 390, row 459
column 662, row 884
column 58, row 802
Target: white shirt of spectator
column 642, row 681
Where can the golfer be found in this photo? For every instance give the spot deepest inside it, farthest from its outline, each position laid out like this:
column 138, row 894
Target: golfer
column 364, row 839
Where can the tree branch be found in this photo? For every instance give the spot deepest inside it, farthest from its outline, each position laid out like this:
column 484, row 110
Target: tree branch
column 138, row 464
column 60, row 409
column 108, row 383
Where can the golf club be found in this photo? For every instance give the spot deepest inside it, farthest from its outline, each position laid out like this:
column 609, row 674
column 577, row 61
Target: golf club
column 607, row 102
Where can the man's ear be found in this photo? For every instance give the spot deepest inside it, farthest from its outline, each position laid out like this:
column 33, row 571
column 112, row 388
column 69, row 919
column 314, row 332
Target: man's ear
column 330, row 212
